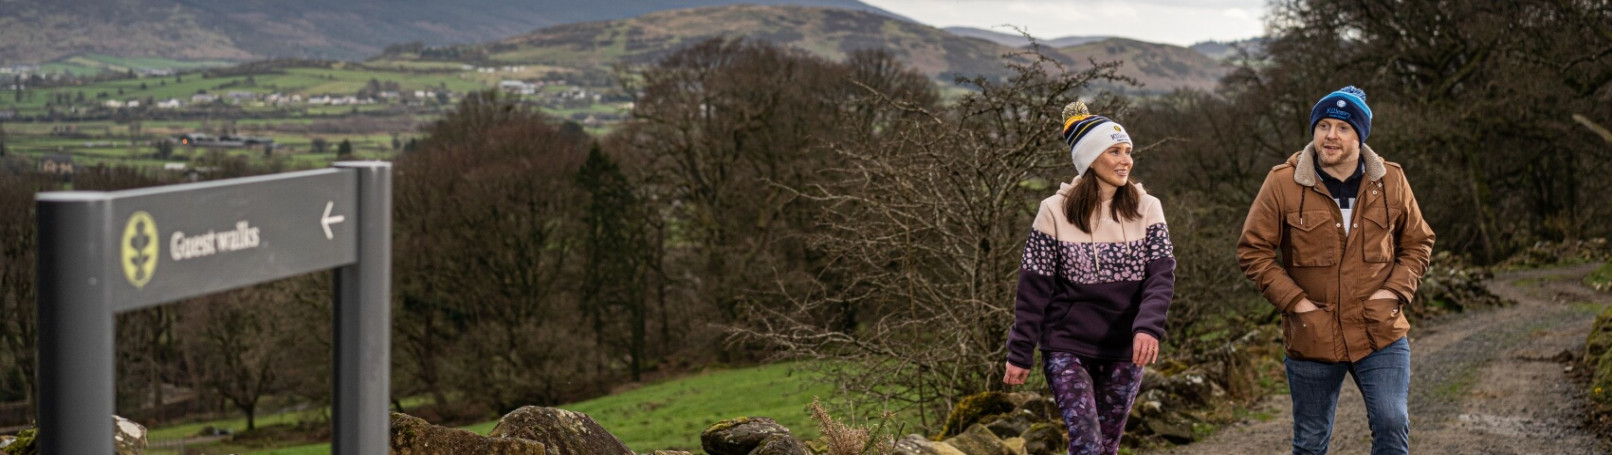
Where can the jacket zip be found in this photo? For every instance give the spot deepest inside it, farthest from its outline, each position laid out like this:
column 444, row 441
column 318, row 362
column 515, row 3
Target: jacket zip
column 1343, row 249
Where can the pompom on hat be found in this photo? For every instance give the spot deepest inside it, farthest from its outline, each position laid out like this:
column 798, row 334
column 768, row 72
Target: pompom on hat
column 1089, row 135
column 1347, row 104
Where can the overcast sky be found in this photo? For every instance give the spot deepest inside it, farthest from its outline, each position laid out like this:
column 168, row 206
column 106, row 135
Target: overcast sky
column 1180, row 22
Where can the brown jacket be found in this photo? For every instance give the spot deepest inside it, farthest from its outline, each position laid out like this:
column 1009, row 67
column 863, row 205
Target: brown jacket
column 1387, row 247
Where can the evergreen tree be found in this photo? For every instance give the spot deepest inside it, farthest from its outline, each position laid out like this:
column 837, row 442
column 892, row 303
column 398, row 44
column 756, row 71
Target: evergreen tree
column 344, row 149
column 616, row 251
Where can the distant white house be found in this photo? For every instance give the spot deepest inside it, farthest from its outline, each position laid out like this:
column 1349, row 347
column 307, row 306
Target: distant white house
column 517, row 87
column 170, row 103
column 114, row 104
column 132, row 103
column 200, row 98
column 173, row 166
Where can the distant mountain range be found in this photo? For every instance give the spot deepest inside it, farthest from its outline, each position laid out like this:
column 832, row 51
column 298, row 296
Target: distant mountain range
column 1018, row 40
column 832, row 33
column 39, row 31
column 570, row 34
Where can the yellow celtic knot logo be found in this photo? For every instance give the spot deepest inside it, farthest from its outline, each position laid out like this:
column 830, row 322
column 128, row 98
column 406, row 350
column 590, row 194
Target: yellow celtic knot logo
column 139, row 249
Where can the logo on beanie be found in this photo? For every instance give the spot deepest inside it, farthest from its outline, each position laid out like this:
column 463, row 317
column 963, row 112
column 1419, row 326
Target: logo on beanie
column 1116, row 128
column 1119, row 137
column 1338, row 113
column 1342, row 103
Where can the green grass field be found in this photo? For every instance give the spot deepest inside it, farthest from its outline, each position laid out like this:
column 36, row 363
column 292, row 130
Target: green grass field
column 668, row 414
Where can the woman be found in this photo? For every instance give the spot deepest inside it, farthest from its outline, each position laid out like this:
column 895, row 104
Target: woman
column 1096, row 282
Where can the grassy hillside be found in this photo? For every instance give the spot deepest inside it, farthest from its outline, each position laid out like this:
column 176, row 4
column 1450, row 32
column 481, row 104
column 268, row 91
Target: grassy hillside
column 831, row 33
column 1159, row 67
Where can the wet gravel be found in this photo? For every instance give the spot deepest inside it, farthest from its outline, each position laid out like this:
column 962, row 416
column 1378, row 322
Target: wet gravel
column 1494, row 381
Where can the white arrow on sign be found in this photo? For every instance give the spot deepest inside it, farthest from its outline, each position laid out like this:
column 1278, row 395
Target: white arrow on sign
column 329, row 220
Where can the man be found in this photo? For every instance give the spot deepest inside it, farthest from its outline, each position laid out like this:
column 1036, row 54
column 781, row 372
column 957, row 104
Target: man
column 1336, row 241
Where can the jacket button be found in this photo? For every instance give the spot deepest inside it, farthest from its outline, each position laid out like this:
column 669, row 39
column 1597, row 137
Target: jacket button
column 1373, row 192
column 1354, row 226
column 1338, row 225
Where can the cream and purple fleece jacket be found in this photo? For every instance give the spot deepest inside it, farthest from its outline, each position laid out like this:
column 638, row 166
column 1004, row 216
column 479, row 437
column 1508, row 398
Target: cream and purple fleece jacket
column 1090, row 293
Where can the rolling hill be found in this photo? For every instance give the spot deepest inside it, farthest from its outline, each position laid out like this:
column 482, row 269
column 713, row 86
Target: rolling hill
column 830, row 33
column 1158, row 67
column 1018, row 40
column 40, row 31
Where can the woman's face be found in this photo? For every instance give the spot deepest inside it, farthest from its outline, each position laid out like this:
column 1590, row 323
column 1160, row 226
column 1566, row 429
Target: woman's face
column 1113, row 166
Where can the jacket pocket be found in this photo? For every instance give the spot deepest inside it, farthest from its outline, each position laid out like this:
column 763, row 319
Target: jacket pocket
column 1378, row 237
column 1312, row 238
column 1385, row 321
column 1309, row 335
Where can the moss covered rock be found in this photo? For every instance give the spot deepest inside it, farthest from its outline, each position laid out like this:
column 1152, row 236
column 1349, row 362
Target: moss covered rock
column 128, row 438
column 1040, row 408
column 781, row 444
column 25, row 444
column 1598, row 357
column 414, row 436
column 972, row 408
column 1045, row 439
column 918, row 445
column 977, row 440
column 739, row 436
column 562, row 432
column 1009, row 425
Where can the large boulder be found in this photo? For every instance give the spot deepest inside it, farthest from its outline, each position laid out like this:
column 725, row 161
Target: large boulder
column 414, row 436
column 128, row 438
column 972, row 408
column 977, row 440
column 918, row 445
column 739, row 436
column 781, row 444
column 562, row 432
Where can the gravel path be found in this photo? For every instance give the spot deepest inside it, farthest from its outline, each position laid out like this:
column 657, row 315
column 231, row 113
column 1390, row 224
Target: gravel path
column 1486, row 382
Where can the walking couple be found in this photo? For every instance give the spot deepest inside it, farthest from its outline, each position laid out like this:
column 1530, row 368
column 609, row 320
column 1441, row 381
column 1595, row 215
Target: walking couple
column 1334, row 239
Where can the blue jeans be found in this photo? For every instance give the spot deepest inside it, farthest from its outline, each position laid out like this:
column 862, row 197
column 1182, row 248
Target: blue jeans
column 1384, row 381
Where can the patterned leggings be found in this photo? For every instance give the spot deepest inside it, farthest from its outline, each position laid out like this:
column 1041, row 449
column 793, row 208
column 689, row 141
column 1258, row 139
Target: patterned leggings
column 1095, row 399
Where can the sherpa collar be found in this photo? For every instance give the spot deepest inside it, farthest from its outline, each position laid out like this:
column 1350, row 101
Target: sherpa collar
column 1304, row 165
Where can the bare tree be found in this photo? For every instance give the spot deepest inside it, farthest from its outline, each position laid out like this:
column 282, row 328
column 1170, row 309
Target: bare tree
column 923, row 232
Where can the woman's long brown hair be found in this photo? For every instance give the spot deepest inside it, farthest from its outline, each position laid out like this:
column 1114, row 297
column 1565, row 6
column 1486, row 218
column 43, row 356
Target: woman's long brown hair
column 1087, row 196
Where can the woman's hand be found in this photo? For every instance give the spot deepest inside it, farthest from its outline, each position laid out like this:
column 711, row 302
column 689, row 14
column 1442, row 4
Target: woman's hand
column 1144, row 349
column 1015, row 375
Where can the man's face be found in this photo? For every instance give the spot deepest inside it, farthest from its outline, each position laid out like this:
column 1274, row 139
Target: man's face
column 1336, row 142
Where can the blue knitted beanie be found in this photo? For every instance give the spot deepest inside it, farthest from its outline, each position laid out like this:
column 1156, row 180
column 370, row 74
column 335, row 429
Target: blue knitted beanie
column 1347, row 104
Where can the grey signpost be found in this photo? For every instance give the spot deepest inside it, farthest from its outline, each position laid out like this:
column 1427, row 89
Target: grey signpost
column 101, row 253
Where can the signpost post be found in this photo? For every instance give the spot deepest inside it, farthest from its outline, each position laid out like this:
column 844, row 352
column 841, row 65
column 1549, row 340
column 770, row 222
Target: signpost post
column 101, row 253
